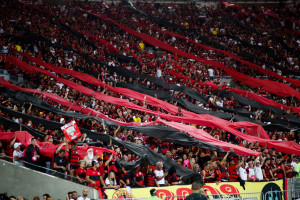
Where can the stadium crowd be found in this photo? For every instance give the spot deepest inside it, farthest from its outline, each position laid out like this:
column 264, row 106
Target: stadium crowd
column 61, row 35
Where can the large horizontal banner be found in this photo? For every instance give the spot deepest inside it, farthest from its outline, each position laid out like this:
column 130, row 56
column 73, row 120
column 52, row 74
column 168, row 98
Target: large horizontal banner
column 217, row 190
column 273, row 87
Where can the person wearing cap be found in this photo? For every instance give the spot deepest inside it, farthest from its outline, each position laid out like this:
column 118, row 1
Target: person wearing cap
column 18, row 154
column 50, row 139
column 138, row 140
column 93, row 176
column 153, row 195
column 95, row 180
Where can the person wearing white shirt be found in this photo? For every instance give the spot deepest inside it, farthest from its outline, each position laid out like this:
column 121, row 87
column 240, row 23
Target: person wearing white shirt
column 158, row 73
column 211, row 72
column 18, row 154
column 111, row 182
column 85, row 193
column 294, row 164
column 159, row 174
column 219, row 102
column 243, row 172
column 250, row 171
column 257, row 168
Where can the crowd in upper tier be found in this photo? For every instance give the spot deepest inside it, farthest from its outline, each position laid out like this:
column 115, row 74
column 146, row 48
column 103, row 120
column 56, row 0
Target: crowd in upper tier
column 51, row 32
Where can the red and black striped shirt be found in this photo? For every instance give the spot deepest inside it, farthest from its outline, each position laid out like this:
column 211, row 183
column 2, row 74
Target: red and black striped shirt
column 267, row 171
column 74, row 158
column 280, row 173
column 150, row 179
column 232, row 172
column 289, row 174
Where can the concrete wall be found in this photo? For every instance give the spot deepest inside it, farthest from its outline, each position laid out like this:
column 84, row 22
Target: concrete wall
column 21, row 181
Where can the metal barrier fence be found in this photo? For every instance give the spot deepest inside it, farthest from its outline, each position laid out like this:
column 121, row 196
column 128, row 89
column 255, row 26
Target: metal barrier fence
column 271, row 195
column 47, row 170
column 283, row 195
column 237, row 196
column 127, row 198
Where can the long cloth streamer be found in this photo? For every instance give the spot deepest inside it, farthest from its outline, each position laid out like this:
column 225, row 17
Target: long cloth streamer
column 8, row 85
column 273, row 87
column 205, row 119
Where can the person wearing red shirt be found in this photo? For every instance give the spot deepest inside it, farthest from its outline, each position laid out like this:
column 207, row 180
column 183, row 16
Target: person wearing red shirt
column 233, row 169
column 93, row 176
column 102, row 165
column 125, row 178
column 208, row 176
column 224, row 174
column 289, row 169
column 81, row 172
column 151, row 179
column 279, row 170
column 138, row 177
column 74, row 160
column 266, row 169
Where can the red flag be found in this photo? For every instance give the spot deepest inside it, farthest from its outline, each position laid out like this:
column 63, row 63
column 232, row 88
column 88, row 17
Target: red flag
column 71, row 131
column 232, row 5
column 269, row 12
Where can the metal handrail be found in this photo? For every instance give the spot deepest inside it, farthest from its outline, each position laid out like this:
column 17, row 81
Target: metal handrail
column 75, row 179
column 221, row 196
column 290, row 194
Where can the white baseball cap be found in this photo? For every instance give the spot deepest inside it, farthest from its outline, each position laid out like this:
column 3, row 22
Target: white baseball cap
column 17, row 144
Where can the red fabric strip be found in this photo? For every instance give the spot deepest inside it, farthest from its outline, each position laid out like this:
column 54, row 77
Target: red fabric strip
column 288, row 147
column 46, row 148
column 205, row 120
column 273, row 87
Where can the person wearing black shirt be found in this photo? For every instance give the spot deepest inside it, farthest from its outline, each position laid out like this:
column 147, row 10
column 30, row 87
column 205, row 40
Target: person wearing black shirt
column 33, row 155
column 196, row 186
column 60, row 163
column 127, row 179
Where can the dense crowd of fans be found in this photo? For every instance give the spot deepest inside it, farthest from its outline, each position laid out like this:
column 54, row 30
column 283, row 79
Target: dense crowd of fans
column 26, row 28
